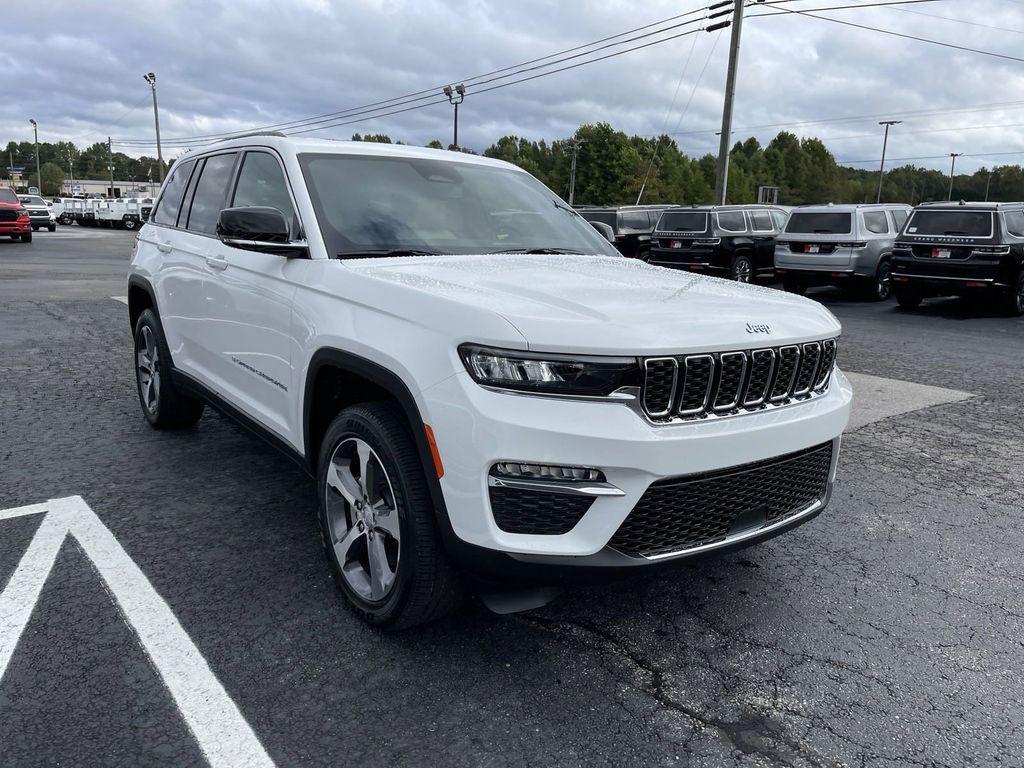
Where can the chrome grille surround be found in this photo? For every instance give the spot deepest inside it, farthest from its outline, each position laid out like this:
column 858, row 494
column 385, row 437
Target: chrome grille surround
column 713, row 385
column 661, row 376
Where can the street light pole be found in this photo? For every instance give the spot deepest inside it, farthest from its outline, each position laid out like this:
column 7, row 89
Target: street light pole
column 110, row 164
column 455, row 96
column 885, row 145
column 952, row 167
column 722, row 175
column 39, row 178
column 151, row 79
column 576, row 141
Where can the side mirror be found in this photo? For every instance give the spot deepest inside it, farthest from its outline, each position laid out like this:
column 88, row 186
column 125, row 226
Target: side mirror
column 261, row 229
column 606, row 231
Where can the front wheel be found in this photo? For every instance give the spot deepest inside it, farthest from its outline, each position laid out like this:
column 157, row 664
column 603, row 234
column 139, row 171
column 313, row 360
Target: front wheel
column 129, row 224
column 377, row 521
column 1014, row 299
column 163, row 405
column 743, row 270
column 26, row 238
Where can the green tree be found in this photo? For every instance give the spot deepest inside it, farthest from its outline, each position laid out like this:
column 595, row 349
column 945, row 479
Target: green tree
column 53, row 179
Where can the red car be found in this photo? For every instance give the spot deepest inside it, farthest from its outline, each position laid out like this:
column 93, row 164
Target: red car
column 14, row 220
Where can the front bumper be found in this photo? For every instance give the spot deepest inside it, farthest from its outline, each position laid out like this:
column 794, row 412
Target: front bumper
column 15, row 227
column 476, row 428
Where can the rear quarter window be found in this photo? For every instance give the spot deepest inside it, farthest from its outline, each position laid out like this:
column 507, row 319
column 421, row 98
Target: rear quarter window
column 1014, row 221
column 876, row 222
column 635, row 220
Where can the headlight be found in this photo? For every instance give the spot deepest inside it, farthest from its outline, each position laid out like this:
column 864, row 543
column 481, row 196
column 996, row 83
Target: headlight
column 549, row 373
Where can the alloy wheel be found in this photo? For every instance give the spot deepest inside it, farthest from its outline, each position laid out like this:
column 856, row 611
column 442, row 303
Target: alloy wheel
column 884, row 286
column 742, row 271
column 362, row 519
column 1020, row 294
column 148, row 356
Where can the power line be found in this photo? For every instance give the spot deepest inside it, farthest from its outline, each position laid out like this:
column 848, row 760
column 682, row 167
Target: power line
column 957, row 20
column 476, row 80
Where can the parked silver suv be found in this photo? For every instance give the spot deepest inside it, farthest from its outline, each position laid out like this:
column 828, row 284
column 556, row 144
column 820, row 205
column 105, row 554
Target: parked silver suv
column 845, row 245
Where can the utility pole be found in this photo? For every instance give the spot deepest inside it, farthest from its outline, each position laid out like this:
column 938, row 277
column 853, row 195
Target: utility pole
column 722, row 176
column 988, row 184
column 151, row 79
column 885, row 145
column 455, row 96
column 952, row 167
column 110, row 164
column 576, row 141
column 39, row 177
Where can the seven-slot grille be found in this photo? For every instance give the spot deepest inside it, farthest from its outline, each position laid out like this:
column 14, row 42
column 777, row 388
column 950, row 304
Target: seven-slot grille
column 694, row 386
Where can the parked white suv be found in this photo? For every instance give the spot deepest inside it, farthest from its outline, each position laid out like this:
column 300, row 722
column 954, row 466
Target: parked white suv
column 487, row 393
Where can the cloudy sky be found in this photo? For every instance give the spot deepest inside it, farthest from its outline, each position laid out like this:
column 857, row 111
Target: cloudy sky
column 226, row 65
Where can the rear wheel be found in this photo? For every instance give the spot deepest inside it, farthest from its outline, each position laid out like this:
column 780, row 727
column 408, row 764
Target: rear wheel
column 908, row 297
column 377, row 521
column 879, row 287
column 1014, row 298
column 52, row 227
column 163, row 405
column 129, row 224
column 743, row 269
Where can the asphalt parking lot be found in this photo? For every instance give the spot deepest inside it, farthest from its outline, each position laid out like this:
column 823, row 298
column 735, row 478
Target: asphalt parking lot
column 887, row 632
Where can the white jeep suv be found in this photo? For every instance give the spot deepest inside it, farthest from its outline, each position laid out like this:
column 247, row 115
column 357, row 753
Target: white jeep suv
column 487, row 393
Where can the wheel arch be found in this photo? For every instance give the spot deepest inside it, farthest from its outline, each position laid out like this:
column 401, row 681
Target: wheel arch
column 364, row 380
column 141, row 297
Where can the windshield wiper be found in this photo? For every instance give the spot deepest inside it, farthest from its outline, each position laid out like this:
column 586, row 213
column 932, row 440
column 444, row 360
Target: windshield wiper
column 540, row 251
column 384, row 254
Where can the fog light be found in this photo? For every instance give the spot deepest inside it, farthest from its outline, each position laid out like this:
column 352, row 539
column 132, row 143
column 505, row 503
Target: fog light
column 545, row 472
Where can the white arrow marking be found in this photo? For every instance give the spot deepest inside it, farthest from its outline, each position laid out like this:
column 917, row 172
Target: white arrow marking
column 223, row 734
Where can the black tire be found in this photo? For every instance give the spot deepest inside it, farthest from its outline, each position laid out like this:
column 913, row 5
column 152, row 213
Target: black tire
column 52, row 227
column 170, row 408
column 908, row 297
column 129, row 224
column 27, row 237
column 879, row 287
column 742, row 270
column 1013, row 299
column 35, row 227
column 794, row 285
column 426, row 586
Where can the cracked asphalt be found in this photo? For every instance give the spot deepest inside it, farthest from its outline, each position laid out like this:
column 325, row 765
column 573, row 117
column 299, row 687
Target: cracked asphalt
column 887, row 632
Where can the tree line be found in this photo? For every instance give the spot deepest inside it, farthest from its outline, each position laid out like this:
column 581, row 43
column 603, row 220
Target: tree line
column 613, row 168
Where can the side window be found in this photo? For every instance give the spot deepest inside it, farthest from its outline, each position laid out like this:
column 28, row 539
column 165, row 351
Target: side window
column 170, row 200
column 261, row 183
column 1014, row 222
column 211, row 192
column 899, row 218
column 635, row 220
column 780, row 220
column 760, row 221
column 732, row 221
column 875, row 221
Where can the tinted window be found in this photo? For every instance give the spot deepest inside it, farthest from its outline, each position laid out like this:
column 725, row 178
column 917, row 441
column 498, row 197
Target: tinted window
column 261, row 183
column 732, row 221
column 899, row 218
column 635, row 220
column 952, row 223
column 367, row 204
column 761, row 221
column 7, row 195
column 683, row 221
column 210, row 193
column 779, row 218
column 1014, row 222
column 875, row 221
column 806, row 223
column 170, row 200
column 605, row 217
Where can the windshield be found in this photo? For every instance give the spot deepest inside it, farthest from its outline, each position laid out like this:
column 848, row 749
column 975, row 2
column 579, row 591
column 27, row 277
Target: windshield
column 7, row 195
column 952, row 223
column 32, row 200
column 683, row 221
column 806, row 223
column 370, row 205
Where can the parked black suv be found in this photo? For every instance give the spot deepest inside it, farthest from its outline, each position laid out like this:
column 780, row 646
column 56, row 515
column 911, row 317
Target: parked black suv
column 950, row 249
column 631, row 224
column 736, row 241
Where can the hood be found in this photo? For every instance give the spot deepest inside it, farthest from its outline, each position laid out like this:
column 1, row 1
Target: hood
column 609, row 305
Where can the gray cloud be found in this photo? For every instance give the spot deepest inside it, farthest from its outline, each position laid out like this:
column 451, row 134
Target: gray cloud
column 231, row 65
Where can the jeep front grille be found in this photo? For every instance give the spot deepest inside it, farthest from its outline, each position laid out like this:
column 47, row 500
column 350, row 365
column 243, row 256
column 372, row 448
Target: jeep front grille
column 726, row 383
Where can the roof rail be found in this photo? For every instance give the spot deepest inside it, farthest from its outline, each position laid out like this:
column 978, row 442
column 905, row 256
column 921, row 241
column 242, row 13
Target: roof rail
column 255, row 133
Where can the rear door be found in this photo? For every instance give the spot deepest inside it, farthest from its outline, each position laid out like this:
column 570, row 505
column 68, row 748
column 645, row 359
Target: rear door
column 762, row 230
column 249, row 297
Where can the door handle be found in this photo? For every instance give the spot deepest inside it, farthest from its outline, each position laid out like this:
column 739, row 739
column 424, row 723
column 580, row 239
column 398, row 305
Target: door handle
column 164, row 247
column 218, row 263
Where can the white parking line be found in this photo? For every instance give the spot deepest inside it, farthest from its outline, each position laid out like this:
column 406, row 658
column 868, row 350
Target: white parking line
column 876, row 398
column 221, row 731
